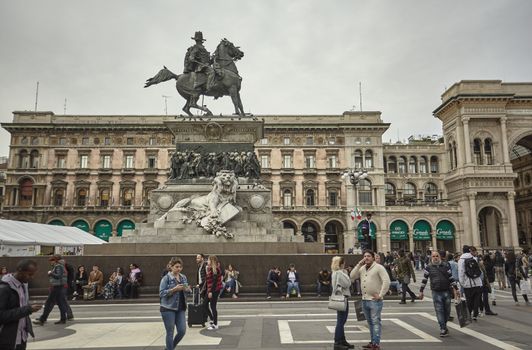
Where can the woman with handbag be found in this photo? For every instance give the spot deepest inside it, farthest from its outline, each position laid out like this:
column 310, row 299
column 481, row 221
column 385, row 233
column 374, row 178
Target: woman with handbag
column 340, row 283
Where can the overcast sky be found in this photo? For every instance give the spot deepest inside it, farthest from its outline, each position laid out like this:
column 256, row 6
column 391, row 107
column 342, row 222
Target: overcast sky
column 301, row 56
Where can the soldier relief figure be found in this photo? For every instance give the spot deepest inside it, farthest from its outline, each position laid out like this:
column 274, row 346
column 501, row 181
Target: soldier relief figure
column 189, row 164
column 205, row 74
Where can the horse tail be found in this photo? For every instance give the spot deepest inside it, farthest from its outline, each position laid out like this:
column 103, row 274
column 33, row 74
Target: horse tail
column 164, row 75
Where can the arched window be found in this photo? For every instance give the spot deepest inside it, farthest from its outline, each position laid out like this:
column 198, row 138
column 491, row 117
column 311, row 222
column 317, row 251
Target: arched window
column 59, row 195
column 127, row 197
column 431, row 192
column 434, row 164
column 412, row 165
column 392, row 164
column 358, row 159
column 488, row 151
column 26, row 193
column 423, row 168
column 409, row 192
column 454, row 155
column 451, row 158
column 385, row 164
column 310, row 198
column 477, row 151
column 390, row 193
column 24, row 159
column 402, row 165
column 104, row 197
column 364, row 192
column 287, row 198
column 368, row 159
column 82, row 197
column 34, row 159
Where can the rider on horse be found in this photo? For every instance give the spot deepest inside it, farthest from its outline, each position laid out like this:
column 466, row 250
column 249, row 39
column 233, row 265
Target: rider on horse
column 198, row 62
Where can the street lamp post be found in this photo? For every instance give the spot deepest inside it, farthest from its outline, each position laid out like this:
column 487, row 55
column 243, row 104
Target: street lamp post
column 354, row 176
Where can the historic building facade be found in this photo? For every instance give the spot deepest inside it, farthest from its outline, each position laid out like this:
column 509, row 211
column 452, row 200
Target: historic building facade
column 95, row 172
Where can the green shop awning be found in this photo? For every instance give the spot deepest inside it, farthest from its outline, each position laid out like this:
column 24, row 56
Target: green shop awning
column 398, row 231
column 422, row 231
column 103, row 230
column 125, row 225
column 445, row 230
column 372, row 230
column 56, row 222
column 81, row 224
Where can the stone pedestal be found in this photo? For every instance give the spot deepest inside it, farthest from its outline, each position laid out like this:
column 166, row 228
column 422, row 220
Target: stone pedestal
column 255, row 221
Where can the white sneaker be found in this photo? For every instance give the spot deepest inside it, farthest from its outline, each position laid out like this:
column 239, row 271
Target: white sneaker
column 213, row 327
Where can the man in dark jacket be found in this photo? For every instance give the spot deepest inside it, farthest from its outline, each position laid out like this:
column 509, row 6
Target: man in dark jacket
column 441, row 281
column 273, row 281
column 15, row 324
column 57, row 295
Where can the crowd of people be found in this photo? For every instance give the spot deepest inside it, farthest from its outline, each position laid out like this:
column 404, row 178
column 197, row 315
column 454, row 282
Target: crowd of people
column 469, row 276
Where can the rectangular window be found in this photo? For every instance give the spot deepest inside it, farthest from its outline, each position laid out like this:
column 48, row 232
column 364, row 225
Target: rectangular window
column 106, row 162
column 152, row 162
column 153, row 141
column 331, row 162
column 286, row 140
column 129, row 141
column 129, row 162
column 61, row 162
column 263, row 141
column 310, row 140
column 310, row 162
column 62, row 141
column 287, row 161
column 332, row 140
column 85, row 141
column 84, row 161
column 107, row 141
column 265, row 161
column 333, row 199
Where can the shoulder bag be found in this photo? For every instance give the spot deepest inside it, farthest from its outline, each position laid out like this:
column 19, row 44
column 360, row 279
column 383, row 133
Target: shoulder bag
column 337, row 301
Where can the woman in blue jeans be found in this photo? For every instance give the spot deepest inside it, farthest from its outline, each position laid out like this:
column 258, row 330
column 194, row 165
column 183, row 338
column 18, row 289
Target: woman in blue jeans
column 340, row 281
column 173, row 304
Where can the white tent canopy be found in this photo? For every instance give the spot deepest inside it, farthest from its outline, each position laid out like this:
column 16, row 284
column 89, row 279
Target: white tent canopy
column 29, row 233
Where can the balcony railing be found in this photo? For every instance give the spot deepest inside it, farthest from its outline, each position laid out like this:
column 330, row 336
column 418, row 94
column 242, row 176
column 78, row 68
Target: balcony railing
column 416, row 202
column 288, row 171
column 310, row 171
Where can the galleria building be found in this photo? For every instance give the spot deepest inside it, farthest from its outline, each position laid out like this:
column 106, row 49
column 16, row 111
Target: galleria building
column 471, row 186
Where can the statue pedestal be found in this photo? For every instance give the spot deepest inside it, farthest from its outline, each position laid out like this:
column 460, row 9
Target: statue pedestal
column 202, row 152
column 253, row 224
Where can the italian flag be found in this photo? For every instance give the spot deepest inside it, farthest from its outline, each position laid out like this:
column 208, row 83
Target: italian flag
column 356, row 213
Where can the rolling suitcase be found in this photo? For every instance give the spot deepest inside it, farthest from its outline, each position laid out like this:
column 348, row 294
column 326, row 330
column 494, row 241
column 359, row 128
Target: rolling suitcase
column 196, row 311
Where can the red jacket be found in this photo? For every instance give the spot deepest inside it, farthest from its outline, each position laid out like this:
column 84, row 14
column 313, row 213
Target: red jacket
column 214, row 282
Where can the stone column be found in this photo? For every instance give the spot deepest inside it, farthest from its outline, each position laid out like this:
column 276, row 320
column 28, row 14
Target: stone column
column 512, row 236
column 459, row 144
column 467, row 141
column 505, row 154
column 411, row 240
column 475, row 239
column 434, row 241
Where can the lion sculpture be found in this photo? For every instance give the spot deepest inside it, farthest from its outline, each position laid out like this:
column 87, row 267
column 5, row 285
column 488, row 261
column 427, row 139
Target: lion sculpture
column 213, row 210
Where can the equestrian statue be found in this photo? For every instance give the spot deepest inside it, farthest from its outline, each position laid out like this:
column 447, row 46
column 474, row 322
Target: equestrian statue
column 207, row 75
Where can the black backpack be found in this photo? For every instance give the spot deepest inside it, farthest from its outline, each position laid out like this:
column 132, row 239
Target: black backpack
column 472, row 269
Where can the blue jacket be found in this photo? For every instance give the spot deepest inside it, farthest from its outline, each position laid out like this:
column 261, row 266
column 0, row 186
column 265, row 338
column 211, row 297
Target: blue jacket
column 169, row 300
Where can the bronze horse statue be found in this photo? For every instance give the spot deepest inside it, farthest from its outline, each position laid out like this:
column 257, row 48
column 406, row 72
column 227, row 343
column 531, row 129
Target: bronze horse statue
column 222, row 80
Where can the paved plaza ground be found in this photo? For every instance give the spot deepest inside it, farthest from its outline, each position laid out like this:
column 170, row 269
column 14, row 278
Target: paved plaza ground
column 297, row 324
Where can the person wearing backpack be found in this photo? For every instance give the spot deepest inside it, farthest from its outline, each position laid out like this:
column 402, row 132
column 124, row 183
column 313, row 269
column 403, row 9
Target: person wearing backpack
column 469, row 274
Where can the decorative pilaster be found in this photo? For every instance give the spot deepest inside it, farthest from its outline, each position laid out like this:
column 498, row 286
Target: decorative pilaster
column 512, row 237
column 467, row 141
column 505, row 154
column 473, row 227
column 460, row 145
